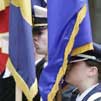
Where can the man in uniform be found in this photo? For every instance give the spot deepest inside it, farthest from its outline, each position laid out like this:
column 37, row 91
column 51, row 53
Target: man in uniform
column 40, row 36
column 40, row 39
column 84, row 73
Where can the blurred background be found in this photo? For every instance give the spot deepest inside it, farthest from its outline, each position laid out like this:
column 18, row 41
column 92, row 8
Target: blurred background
column 95, row 13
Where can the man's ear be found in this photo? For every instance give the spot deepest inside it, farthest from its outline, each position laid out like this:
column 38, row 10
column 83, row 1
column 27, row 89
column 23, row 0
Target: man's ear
column 93, row 71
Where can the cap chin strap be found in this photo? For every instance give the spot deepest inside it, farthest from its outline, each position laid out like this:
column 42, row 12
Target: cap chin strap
column 73, row 61
column 86, row 57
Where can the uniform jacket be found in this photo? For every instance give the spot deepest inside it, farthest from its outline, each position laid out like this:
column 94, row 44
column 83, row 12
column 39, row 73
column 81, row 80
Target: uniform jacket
column 93, row 95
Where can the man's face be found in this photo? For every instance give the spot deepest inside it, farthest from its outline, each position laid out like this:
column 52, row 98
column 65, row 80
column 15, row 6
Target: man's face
column 77, row 73
column 41, row 42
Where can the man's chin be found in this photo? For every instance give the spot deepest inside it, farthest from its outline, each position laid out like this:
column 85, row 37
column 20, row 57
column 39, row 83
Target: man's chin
column 40, row 52
column 68, row 80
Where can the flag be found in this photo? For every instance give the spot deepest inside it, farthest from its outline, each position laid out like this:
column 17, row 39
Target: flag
column 4, row 35
column 69, row 34
column 21, row 50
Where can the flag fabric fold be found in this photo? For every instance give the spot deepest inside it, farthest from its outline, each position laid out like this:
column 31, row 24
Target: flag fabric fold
column 21, row 50
column 69, row 34
column 4, row 36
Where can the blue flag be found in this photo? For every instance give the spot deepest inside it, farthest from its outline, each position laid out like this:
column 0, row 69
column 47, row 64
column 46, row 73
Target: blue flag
column 21, row 50
column 69, row 34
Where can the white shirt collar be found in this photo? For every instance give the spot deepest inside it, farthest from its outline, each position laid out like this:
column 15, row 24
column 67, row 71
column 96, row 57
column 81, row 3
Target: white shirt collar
column 37, row 61
column 80, row 97
column 45, row 64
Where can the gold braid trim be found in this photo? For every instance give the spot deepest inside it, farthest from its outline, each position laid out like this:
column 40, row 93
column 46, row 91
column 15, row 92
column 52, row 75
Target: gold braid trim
column 4, row 4
column 30, row 93
column 82, row 49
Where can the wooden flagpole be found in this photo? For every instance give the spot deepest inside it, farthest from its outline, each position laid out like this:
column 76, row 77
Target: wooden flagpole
column 18, row 94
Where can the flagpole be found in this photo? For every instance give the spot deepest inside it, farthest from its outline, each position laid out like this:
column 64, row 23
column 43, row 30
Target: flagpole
column 18, row 92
